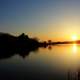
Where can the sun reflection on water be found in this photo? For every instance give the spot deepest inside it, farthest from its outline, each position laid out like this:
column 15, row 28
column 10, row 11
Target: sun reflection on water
column 74, row 48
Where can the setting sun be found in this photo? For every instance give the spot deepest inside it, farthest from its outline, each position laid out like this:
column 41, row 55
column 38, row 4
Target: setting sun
column 74, row 37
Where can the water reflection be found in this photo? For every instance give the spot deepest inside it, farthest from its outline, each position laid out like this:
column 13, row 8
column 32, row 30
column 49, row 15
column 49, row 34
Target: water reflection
column 9, row 52
column 74, row 70
column 50, row 47
column 74, row 48
column 51, row 63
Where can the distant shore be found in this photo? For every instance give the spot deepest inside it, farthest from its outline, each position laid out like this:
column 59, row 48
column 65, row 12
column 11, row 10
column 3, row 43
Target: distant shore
column 24, row 40
column 23, row 45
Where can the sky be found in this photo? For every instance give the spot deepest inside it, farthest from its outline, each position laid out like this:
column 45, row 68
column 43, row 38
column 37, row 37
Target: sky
column 45, row 19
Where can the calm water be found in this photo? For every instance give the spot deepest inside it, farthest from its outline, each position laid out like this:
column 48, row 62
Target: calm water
column 51, row 63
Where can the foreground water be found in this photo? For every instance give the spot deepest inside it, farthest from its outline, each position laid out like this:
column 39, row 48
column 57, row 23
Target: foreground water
column 59, row 62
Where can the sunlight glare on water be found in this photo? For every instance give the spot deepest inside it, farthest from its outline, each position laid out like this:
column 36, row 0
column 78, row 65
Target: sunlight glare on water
column 74, row 48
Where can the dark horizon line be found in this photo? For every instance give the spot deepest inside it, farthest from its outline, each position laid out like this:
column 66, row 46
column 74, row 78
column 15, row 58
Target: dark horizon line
column 48, row 41
column 23, row 45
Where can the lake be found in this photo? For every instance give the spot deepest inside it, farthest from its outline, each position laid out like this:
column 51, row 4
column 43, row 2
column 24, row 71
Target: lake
column 58, row 62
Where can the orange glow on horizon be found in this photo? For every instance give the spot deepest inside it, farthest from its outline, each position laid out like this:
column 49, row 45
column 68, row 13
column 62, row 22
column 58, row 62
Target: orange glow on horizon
column 55, row 37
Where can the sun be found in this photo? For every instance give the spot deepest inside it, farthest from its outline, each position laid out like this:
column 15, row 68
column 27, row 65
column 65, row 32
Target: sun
column 74, row 37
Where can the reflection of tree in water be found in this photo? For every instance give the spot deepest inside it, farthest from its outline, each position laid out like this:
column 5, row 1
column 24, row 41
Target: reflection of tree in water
column 50, row 47
column 74, row 75
column 6, row 53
